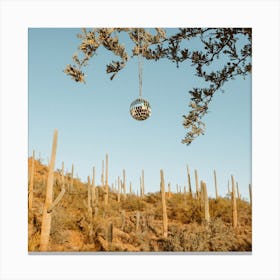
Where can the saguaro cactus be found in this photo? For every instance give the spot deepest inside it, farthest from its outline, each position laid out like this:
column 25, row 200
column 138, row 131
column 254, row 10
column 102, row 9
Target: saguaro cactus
column 59, row 197
column 185, row 195
column 93, row 193
column 46, row 221
column 141, row 193
column 201, row 195
column 106, row 183
column 137, row 220
column 124, row 184
column 234, row 208
column 89, row 194
column 216, row 185
column 89, row 209
column 31, row 183
column 164, row 212
column 250, row 194
column 110, row 235
column 96, row 195
column 143, row 183
column 237, row 190
column 169, row 190
column 189, row 181
column 206, row 202
column 130, row 188
column 119, row 189
column 196, row 184
column 72, row 179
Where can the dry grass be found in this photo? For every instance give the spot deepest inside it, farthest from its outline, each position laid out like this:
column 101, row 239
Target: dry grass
column 72, row 230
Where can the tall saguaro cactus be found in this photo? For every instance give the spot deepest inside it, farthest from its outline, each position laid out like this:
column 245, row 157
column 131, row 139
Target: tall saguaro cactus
column 89, row 194
column 143, row 183
column 216, row 185
column 46, row 221
column 237, row 190
column 31, row 183
column 185, row 195
column 59, row 197
column 89, row 209
column 72, row 179
column 189, row 181
column 93, row 193
column 201, row 195
column 250, row 194
column 106, row 183
column 169, row 190
column 164, row 212
column 96, row 196
column 196, row 184
column 140, row 179
column 206, row 202
column 110, row 235
column 234, row 207
column 137, row 220
column 124, row 184
column 119, row 189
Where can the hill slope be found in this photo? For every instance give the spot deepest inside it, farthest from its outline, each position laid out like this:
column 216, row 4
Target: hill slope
column 134, row 224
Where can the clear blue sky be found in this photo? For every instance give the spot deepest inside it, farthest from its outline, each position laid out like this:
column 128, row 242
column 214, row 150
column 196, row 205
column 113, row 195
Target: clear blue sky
column 93, row 118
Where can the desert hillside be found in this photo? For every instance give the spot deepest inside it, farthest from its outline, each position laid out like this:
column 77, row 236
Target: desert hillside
column 128, row 222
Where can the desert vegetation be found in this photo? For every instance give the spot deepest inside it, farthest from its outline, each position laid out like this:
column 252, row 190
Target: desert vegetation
column 68, row 215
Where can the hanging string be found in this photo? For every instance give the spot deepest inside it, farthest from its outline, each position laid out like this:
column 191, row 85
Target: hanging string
column 140, row 65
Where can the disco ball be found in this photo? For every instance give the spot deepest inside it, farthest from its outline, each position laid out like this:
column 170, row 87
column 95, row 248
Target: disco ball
column 140, row 109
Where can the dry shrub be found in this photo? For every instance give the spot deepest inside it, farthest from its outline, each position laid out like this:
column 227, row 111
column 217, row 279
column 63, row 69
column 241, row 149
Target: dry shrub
column 221, row 208
column 133, row 204
column 72, row 229
column 244, row 213
column 152, row 197
column 34, row 242
column 216, row 237
column 184, row 209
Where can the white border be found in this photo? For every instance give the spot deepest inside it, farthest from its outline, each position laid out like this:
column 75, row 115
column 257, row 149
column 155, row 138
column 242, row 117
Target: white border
column 17, row 16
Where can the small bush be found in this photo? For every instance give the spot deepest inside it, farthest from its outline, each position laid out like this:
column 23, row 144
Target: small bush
column 133, row 204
